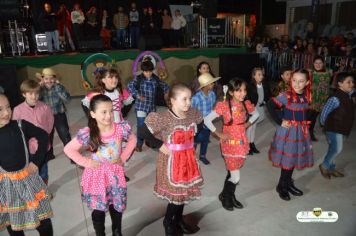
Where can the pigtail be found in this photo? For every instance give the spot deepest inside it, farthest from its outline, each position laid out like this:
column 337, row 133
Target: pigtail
column 95, row 140
column 308, row 87
column 230, row 110
column 246, row 111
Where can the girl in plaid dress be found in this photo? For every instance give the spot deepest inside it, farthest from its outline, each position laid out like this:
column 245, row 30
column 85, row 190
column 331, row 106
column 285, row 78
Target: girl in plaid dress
column 291, row 146
column 24, row 199
column 103, row 180
column 238, row 115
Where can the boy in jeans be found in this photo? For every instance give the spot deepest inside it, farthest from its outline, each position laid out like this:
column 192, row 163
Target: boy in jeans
column 37, row 113
column 144, row 89
column 337, row 117
column 55, row 95
column 204, row 100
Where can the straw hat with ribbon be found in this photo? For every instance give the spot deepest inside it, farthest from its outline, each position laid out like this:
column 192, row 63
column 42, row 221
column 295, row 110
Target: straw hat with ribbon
column 206, row 79
column 46, row 72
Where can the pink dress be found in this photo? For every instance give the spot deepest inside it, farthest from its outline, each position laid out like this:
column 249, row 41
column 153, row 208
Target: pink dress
column 105, row 184
column 236, row 149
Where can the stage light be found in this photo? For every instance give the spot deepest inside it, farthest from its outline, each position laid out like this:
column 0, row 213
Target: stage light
column 196, row 4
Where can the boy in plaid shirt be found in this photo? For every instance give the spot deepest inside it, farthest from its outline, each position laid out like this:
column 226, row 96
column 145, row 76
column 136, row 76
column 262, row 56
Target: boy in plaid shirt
column 204, row 100
column 55, row 95
column 144, row 89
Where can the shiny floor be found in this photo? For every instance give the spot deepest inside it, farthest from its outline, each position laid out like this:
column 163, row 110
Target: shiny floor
column 264, row 212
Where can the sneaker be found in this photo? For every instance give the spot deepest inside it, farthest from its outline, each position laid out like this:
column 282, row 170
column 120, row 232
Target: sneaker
column 204, row 160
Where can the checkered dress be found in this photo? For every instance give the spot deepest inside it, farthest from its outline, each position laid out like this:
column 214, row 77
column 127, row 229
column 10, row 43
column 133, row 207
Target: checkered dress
column 24, row 199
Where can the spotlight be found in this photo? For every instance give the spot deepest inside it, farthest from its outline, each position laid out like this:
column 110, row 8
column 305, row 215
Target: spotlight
column 196, row 4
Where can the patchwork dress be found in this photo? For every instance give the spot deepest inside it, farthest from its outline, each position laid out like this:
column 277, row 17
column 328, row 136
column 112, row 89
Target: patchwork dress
column 291, row 147
column 320, row 90
column 24, row 199
column 234, row 150
column 105, row 185
column 178, row 177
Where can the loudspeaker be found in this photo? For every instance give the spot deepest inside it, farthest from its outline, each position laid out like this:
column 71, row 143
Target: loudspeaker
column 209, row 8
column 150, row 42
column 238, row 65
column 9, row 83
column 92, row 45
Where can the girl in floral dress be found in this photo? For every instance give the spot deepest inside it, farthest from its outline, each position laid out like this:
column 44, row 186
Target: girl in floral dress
column 178, row 178
column 108, row 82
column 291, row 146
column 320, row 87
column 103, row 180
column 238, row 115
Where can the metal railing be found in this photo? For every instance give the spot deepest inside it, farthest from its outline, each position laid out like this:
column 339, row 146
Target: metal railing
column 274, row 61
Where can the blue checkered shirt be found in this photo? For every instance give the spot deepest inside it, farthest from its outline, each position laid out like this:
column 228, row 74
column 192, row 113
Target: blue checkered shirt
column 55, row 97
column 148, row 88
column 204, row 104
column 330, row 105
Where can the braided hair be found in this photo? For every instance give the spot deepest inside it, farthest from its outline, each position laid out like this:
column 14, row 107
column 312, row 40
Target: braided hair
column 234, row 85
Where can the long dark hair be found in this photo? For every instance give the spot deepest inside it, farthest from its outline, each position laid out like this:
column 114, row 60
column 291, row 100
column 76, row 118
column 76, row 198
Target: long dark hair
column 253, row 73
column 200, row 65
column 100, row 86
column 234, row 85
column 95, row 140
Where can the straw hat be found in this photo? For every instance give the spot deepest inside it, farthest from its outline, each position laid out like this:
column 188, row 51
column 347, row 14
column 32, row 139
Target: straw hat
column 206, row 79
column 46, row 72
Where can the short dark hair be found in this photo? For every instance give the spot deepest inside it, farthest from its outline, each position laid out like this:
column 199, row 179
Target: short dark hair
column 318, row 57
column 340, row 77
column 147, row 66
column 284, row 69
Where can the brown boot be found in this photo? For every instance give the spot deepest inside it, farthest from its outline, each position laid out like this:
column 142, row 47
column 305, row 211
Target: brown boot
column 336, row 173
column 324, row 172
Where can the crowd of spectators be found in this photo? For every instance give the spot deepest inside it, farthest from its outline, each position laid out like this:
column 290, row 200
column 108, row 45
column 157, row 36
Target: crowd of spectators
column 339, row 45
column 66, row 30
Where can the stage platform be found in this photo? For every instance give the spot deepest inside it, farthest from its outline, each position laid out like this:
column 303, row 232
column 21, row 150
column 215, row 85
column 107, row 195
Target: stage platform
column 180, row 63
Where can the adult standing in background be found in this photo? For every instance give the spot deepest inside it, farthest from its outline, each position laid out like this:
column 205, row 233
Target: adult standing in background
column 150, row 22
column 77, row 17
column 134, row 21
column 121, row 22
column 105, row 32
column 178, row 24
column 64, row 25
column 92, row 23
column 166, row 28
column 49, row 26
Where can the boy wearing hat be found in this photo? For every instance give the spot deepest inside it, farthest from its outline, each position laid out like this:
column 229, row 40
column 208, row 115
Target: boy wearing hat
column 55, row 95
column 204, row 100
